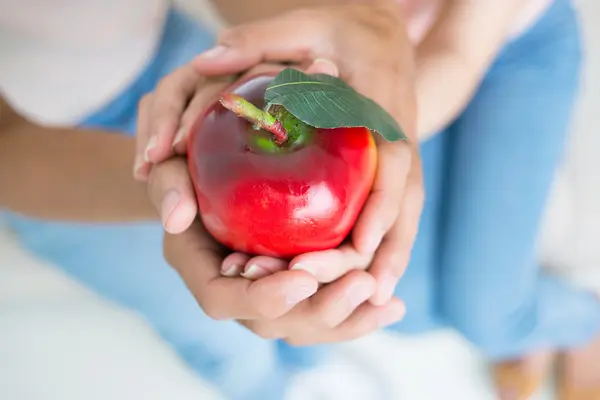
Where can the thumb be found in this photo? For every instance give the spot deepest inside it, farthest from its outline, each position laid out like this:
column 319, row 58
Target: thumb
column 277, row 39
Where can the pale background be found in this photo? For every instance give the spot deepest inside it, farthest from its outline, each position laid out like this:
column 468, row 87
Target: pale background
column 60, row 342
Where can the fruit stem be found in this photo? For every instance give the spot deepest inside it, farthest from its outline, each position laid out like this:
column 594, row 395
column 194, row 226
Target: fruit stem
column 260, row 118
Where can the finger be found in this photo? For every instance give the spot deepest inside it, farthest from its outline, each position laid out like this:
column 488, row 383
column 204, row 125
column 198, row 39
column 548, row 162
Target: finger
column 261, row 266
column 141, row 167
column 393, row 256
column 323, row 66
column 170, row 100
column 335, row 302
column 233, row 264
column 203, row 98
column 196, row 257
column 325, row 310
column 273, row 39
column 366, row 319
column 329, row 265
column 383, row 205
column 170, row 190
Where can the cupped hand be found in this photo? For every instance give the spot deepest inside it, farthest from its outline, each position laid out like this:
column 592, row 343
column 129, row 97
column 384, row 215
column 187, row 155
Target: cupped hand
column 285, row 304
column 368, row 44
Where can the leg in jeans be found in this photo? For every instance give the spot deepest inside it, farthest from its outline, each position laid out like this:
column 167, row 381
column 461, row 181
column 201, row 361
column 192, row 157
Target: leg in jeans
column 124, row 262
column 503, row 154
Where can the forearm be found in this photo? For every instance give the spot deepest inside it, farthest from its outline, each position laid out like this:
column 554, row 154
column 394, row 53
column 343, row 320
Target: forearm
column 454, row 56
column 253, row 10
column 66, row 174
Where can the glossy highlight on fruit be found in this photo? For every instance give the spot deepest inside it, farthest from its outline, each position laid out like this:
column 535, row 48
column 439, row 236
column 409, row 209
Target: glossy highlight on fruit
column 261, row 197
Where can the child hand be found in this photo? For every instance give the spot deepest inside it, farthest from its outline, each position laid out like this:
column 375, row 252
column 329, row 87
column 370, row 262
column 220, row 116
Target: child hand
column 285, row 305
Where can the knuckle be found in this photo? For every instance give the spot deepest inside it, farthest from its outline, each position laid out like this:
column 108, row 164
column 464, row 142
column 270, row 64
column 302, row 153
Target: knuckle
column 211, row 310
column 401, row 152
column 169, row 82
column 163, row 85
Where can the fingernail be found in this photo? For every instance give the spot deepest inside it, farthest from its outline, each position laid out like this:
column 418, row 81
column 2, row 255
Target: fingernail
column 359, row 294
column 387, row 285
column 151, row 145
column 179, row 137
column 311, row 269
column 215, row 52
column 233, row 270
column 300, row 293
column 255, row 272
column 137, row 166
column 169, row 203
column 326, row 66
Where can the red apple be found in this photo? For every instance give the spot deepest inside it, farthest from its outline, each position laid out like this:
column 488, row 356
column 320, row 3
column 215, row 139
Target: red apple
column 261, row 194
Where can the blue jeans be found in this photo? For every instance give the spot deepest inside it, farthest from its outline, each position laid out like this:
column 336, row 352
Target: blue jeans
column 487, row 176
column 474, row 264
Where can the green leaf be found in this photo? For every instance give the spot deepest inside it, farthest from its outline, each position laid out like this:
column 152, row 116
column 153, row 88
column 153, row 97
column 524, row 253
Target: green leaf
column 323, row 101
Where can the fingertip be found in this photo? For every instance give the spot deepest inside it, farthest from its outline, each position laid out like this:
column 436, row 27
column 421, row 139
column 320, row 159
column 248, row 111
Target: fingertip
column 261, row 266
column 141, row 169
column 233, row 264
column 295, row 278
column 178, row 218
column 180, row 141
column 285, row 290
column 386, row 285
column 323, row 66
column 159, row 148
column 393, row 312
column 329, row 265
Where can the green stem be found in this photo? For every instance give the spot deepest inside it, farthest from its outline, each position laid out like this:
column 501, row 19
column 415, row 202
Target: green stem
column 260, row 118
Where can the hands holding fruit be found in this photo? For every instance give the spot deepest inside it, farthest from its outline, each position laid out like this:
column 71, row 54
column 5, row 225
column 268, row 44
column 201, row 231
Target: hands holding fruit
column 369, row 44
column 283, row 302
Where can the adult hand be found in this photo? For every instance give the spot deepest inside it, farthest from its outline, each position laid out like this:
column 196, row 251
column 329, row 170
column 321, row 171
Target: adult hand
column 368, row 44
column 283, row 305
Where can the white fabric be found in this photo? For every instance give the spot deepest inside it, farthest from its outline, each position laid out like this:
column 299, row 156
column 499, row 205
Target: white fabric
column 63, row 59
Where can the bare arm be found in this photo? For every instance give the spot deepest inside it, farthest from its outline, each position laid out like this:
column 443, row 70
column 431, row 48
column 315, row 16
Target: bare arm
column 257, row 9
column 68, row 174
column 455, row 54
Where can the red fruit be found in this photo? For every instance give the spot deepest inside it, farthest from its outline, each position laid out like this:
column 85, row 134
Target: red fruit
column 259, row 196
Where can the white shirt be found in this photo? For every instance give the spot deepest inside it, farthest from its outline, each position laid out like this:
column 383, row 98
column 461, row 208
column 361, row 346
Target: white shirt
column 62, row 59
